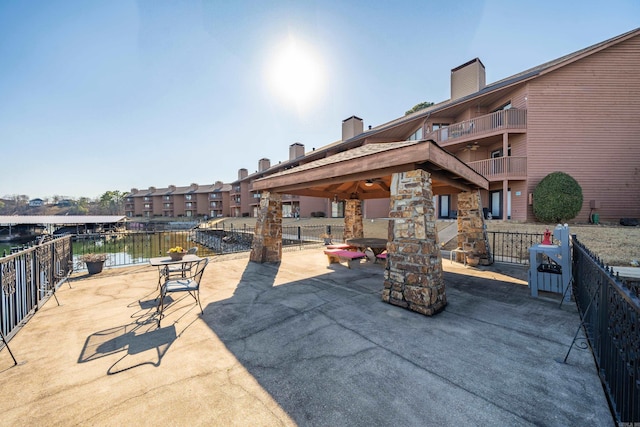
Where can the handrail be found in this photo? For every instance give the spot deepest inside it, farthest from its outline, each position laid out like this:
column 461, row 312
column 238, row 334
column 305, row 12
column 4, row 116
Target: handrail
column 611, row 329
column 503, row 167
column 512, row 118
column 29, row 277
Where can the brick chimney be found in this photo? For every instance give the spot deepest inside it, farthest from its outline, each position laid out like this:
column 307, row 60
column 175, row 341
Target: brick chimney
column 351, row 127
column 242, row 173
column 264, row 164
column 468, row 78
column 296, row 150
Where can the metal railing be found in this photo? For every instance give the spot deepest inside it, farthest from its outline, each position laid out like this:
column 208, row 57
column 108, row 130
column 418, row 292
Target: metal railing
column 501, row 167
column 512, row 118
column 610, row 314
column 512, row 247
column 28, row 278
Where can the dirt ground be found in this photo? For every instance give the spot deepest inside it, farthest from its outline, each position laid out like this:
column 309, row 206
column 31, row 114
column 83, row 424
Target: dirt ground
column 615, row 244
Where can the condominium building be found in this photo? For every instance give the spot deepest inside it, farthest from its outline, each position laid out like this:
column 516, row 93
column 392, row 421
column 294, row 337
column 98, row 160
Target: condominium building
column 579, row 114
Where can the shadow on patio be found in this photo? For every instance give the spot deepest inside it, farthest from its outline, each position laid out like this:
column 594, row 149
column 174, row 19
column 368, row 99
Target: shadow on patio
column 300, row 343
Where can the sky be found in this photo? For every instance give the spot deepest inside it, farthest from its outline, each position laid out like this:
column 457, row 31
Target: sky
column 98, row 96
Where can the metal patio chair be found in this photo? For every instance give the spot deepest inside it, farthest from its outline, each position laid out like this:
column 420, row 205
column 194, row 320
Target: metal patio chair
column 190, row 283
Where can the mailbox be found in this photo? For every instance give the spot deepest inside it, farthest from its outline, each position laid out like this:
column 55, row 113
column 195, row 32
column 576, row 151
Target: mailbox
column 550, row 265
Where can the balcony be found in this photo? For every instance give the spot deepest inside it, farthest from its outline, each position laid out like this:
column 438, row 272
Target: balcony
column 500, row 168
column 300, row 342
column 511, row 120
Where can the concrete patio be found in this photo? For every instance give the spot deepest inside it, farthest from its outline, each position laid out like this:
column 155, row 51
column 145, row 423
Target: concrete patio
column 300, row 343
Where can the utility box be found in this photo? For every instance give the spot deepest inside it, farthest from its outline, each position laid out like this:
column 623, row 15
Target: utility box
column 550, row 265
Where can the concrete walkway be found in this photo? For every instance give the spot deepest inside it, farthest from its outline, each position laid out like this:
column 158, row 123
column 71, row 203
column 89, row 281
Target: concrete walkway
column 299, row 343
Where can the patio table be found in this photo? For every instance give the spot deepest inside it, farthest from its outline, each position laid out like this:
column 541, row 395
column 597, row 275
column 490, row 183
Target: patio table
column 164, row 261
column 375, row 245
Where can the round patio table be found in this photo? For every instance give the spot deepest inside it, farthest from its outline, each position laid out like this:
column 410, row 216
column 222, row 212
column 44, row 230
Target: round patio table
column 377, row 246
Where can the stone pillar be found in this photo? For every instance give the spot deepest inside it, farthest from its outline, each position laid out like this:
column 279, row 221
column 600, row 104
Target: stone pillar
column 267, row 240
column 353, row 228
column 413, row 278
column 472, row 233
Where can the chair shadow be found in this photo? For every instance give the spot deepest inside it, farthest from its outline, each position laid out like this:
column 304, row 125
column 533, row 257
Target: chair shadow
column 141, row 341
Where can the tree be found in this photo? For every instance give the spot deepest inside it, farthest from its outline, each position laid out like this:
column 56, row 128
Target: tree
column 112, row 202
column 557, row 198
column 418, row 107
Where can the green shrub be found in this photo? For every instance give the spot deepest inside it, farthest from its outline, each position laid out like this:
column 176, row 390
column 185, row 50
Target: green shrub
column 557, row 198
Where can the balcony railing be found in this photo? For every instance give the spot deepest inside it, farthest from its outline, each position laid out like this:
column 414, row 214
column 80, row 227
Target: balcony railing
column 501, row 168
column 28, row 278
column 609, row 309
column 481, row 126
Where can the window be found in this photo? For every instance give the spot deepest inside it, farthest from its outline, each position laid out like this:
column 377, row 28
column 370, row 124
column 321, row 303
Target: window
column 147, row 198
column 443, row 208
column 167, row 205
column 416, row 135
column 188, row 205
column 147, row 205
column 504, row 107
column 187, row 196
column 167, row 197
column 444, row 133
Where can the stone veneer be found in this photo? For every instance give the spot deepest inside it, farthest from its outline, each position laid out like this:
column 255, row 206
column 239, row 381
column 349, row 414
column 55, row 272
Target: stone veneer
column 353, row 227
column 267, row 240
column 413, row 275
column 472, row 233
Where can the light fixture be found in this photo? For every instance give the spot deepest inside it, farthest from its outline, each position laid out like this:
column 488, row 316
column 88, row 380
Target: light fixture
column 368, row 183
column 335, row 198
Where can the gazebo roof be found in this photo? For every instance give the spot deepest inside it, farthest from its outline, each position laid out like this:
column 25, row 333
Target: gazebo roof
column 365, row 172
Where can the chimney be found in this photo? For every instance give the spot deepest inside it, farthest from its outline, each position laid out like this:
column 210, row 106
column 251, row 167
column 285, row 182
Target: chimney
column 134, row 191
column 242, row 173
column 467, row 79
column 296, row 150
column 193, row 186
column 172, row 188
column 264, row 164
column 351, row 127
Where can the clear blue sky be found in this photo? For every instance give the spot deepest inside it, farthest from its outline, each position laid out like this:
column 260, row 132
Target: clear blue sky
column 114, row 95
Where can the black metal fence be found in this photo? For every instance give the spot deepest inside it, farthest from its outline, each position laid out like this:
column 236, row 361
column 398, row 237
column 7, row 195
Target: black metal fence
column 129, row 248
column 29, row 278
column 512, row 247
column 610, row 312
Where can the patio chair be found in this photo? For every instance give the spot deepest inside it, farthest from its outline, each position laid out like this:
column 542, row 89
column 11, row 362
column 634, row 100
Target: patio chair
column 190, row 284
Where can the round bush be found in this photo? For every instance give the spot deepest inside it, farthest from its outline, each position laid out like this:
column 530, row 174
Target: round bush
column 557, row 198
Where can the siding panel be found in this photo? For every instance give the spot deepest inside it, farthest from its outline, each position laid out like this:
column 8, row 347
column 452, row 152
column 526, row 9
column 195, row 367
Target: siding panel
column 584, row 119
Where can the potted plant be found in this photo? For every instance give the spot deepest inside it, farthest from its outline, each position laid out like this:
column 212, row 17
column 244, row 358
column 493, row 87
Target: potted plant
column 177, row 253
column 94, row 262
